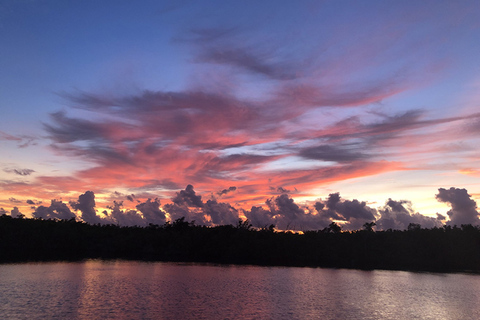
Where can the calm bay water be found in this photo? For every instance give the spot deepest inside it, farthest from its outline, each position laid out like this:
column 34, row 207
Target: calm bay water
column 141, row 290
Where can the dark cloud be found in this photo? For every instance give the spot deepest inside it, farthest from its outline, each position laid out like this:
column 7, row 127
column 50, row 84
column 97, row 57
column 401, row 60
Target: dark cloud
column 125, row 217
column 56, row 210
column 69, row 129
column 259, row 217
column 20, row 172
column 464, row 208
column 14, row 200
column 285, row 214
column 152, row 214
column 191, row 214
column 353, row 212
column 15, row 213
column 188, row 197
column 399, row 214
column 281, row 211
column 221, row 213
column 189, row 205
column 356, row 213
column 281, row 190
column 131, row 197
column 225, row 191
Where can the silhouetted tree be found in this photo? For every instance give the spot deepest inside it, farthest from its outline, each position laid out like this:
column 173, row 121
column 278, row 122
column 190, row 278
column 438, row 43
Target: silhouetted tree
column 334, row 227
column 368, row 226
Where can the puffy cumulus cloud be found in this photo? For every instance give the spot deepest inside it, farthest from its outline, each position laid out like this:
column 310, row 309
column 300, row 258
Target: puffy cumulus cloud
column 221, row 213
column 464, row 208
column 152, row 214
column 285, row 214
column 290, row 216
column 86, row 205
column 259, row 217
column 176, row 211
column 125, row 217
column 280, row 211
column 15, row 212
column 188, row 204
column 354, row 213
column 399, row 214
column 188, row 197
column 441, row 217
column 56, row 210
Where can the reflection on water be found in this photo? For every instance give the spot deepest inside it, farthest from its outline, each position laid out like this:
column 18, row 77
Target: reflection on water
column 140, row 290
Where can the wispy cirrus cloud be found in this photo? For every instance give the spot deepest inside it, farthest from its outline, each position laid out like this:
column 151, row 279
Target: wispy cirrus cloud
column 18, row 171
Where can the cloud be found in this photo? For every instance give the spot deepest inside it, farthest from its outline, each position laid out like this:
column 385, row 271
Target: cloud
column 69, row 129
column 152, row 214
column 56, row 210
column 280, row 190
column 15, row 213
column 86, row 205
column 464, row 208
column 188, row 197
column 260, row 217
column 20, row 172
column 225, row 191
column 399, row 214
column 354, row 213
column 125, row 217
column 285, row 214
column 250, row 59
column 221, row 213
column 279, row 105
column 333, row 153
column 23, row 141
column 15, row 200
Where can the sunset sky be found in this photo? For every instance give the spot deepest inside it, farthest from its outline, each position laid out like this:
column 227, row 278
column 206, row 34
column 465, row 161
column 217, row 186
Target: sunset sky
column 270, row 104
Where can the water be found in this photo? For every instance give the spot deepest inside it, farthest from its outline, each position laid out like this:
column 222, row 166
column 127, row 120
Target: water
column 140, row 290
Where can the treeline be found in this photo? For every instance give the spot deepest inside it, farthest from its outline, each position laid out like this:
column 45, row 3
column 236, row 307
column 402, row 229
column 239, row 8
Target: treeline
column 445, row 249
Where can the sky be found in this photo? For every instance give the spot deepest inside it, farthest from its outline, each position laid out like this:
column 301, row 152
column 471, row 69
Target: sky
column 295, row 113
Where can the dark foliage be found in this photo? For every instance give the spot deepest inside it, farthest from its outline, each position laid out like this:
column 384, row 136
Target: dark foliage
column 446, row 249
